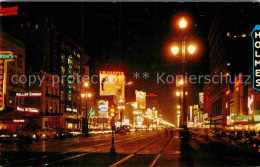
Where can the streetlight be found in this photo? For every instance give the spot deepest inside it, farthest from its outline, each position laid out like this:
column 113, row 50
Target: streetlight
column 175, row 50
column 87, row 96
column 191, row 50
column 86, row 84
column 183, row 23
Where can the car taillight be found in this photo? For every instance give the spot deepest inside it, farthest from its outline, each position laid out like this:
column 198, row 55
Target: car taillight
column 254, row 145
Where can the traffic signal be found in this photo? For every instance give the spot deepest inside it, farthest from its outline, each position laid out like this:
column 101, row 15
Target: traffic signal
column 112, row 111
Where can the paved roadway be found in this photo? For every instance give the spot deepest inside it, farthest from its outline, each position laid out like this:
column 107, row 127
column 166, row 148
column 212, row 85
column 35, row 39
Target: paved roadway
column 135, row 149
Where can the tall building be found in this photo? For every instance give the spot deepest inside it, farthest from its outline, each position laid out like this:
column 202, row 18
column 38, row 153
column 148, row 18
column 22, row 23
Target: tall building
column 12, row 69
column 230, row 54
column 51, row 51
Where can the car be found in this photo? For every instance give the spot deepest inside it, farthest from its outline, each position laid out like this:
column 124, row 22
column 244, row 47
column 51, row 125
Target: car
column 5, row 135
column 23, row 135
column 46, row 134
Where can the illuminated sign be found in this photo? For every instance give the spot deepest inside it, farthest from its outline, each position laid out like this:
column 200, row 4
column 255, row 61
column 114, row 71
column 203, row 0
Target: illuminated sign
column 91, row 113
column 70, row 77
column 256, row 57
column 191, row 113
column 151, row 95
column 250, row 104
column 102, row 106
column 27, row 109
column 29, row 94
column 241, row 117
column 2, row 84
column 71, row 109
column 8, row 11
column 137, row 112
column 18, row 120
column 205, row 116
column 141, row 99
column 5, row 56
column 112, row 83
column 201, row 100
column 257, row 118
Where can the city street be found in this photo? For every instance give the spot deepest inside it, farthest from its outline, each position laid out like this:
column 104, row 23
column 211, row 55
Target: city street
column 129, row 84
column 135, row 149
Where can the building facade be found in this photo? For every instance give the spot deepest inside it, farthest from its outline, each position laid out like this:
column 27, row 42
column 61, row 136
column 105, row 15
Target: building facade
column 11, row 118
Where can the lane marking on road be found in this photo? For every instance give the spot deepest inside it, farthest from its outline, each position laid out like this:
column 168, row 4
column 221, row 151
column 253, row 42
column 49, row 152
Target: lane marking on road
column 155, row 160
column 44, row 157
column 122, row 160
column 133, row 154
column 152, row 164
column 76, row 156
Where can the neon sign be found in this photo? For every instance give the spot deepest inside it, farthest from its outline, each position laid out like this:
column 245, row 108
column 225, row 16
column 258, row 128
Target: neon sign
column 256, row 57
column 5, row 56
column 18, row 120
column 2, row 84
column 27, row 109
column 70, row 77
column 250, row 102
column 8, row 11
column 29, row 94
column 102, row 106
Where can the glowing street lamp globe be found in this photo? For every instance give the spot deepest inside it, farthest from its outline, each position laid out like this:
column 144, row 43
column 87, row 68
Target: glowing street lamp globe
column 191, row 49
column 183, row 23
column 174, row 50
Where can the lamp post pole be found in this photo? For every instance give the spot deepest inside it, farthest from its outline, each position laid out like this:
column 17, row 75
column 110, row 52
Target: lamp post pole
column 112, row 149
column 87, row 130
column 183, row 119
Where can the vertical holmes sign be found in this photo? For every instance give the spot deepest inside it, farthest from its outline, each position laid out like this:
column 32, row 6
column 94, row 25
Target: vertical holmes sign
column 256, row 57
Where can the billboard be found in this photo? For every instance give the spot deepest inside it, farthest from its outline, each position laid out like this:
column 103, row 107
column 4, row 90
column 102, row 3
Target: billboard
column 112, row 83
column 201, row 100
column 141, row 99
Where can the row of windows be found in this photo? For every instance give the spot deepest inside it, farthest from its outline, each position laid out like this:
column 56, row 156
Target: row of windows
column 52, row 91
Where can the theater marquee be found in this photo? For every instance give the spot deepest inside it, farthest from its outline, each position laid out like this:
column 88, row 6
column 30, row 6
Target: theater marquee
column 256, row 57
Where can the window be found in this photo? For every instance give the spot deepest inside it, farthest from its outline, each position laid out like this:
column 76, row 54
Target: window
column 61, row 95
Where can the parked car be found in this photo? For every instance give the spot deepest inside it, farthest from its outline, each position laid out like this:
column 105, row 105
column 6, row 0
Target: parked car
column 5, row 135
column 22, row 135
column 46, row 134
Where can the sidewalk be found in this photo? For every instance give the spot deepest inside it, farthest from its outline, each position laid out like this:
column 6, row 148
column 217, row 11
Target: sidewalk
column 173, row 155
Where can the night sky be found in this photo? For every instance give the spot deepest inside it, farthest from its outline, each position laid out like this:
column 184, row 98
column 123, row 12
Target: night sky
column 132, row 37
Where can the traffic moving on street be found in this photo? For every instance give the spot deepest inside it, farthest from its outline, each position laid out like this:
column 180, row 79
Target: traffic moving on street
column 129, row 84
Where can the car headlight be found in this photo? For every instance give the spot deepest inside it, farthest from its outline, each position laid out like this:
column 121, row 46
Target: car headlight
column 34, row 136
column 15, row 135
